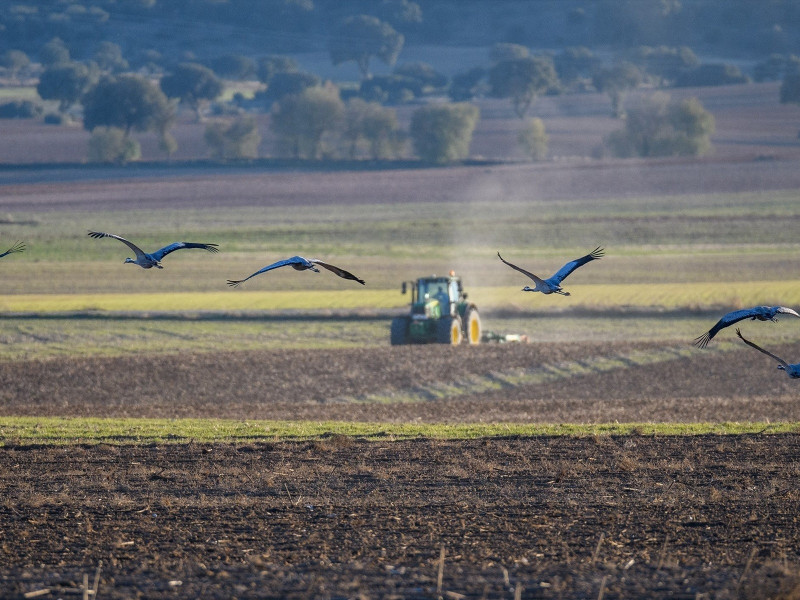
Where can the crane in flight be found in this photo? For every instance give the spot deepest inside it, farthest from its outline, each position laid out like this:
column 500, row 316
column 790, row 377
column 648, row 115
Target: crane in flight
column 150, row 260
column 552, row 285
column 300, row 264
column 756, row 313
column 792, row 371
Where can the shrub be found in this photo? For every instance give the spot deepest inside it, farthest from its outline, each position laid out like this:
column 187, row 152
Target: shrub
column 708, row 75
column 442, row 133
column 301, row 121
column 233, row 140
column 664, row 128
column 533, row 139
column 111, row 145
column 20, row 109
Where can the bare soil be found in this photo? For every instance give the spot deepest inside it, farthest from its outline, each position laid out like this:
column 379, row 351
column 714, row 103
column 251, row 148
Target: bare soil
column 631, row 517
column 359, row 385
column 617, row 517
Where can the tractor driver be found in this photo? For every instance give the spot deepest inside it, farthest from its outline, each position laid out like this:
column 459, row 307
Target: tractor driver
column 444, row 300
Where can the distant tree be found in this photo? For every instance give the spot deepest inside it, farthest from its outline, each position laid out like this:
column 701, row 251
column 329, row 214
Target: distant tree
column 267, row 66
column 664, row 64
column 503, row 51
column 287, row 83
column 616, row 81
column 394, row 89
column 400, row 13
column 468, row 85
column 65, row 82
column 300, row 121
column 522, row 80
column 111, row 145
column 710, row 75
column 129, row 102
column 234, row 66
column 663, row 128
column 374, row 125
column 192, row 84
column 108, row 57
column 233, row 140
column 361, row 37
column 14, row 61
column 149, row 61
column 53, row 52
column 790, row 89
column 20, row 109
column 776, row 67
column 574, row 63
column 442, row 133
column 533, row 139
column 428, row 77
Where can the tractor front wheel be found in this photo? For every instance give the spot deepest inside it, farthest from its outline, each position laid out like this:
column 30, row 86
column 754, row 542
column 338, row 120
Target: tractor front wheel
column 448, row 331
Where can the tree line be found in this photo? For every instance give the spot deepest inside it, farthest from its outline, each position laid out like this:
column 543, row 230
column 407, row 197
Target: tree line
column 314, row 119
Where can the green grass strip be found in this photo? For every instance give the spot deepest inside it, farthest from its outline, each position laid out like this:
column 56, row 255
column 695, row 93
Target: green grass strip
column 68, row 431
column 604, row 296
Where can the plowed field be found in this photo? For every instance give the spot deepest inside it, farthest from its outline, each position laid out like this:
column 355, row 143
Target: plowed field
column 633, row 517
column 551, row 383
column 636, row 516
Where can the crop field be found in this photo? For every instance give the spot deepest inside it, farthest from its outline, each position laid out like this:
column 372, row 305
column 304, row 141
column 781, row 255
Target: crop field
column 163, row 435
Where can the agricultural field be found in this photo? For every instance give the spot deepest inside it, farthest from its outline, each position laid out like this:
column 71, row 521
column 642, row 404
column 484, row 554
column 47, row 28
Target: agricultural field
column 163, row 435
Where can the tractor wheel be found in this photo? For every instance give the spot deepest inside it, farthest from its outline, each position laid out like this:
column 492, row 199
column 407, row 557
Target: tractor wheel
column 448, row 331
column 472, row 326
column 399, row 335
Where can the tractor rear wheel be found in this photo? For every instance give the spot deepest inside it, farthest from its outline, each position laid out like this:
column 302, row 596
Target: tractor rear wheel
column 448, row 331
column 472, row 326
column 399, row 334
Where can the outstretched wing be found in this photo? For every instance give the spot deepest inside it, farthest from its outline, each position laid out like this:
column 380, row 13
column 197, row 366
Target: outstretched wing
column 726, row 321
column 281, row 263
column 760, row 349
column 334, row 269
column 17, row 247
column 99, row 234
column 162, row 252
column 568, row 268
column 538, row 280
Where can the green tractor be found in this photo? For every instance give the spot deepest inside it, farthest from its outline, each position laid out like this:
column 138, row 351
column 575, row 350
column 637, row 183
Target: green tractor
column 440, row 314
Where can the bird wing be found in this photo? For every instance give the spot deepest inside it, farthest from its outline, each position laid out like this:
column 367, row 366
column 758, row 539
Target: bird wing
column 726, row 321
column 275, row 265
column 568, row 268
column 17, row 247
column 760, row 349
column 162, row 252
column 538, row 280
column 98, row 234
column 334, row 269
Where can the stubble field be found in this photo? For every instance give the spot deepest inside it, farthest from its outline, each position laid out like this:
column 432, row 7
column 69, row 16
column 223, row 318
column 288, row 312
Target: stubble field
column 338, row 516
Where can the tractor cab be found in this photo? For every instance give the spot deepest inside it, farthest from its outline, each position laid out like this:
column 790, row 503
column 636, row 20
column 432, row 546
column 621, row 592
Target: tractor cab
column 434, row 297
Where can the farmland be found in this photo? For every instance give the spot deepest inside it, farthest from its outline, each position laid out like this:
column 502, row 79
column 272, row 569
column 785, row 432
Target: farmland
column 549, row 502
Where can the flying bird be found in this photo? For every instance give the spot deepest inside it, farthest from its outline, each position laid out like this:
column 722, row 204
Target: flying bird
column 553, row 284
column 300, row 264
column 757, row 313
column 17, row 247
column 147, row 261
column 792, row 371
